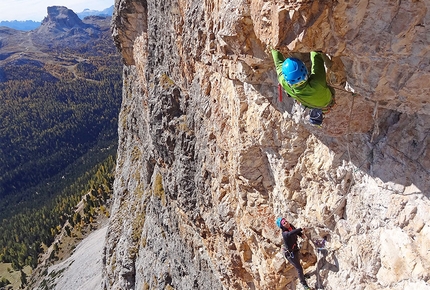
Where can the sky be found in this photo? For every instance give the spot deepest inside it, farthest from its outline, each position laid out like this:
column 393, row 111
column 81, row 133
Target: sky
column 36, row 10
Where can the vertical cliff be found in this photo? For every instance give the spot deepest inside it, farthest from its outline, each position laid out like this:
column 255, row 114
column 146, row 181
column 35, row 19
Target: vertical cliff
column 208, row 156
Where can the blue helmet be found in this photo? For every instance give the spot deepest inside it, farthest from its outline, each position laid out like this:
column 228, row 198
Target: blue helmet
column 294, row 71
column 278, row 221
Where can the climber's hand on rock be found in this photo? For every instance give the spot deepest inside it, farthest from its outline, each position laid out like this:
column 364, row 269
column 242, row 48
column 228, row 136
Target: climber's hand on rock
column 305, row 231
column 269, row 48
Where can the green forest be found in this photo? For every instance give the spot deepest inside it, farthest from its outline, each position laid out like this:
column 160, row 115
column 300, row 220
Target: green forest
column 46, row 125
column 58, row 140
column 25, row 234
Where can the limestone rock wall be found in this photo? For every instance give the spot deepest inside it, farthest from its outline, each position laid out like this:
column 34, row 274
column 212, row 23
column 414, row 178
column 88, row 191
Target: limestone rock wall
column 209, row 156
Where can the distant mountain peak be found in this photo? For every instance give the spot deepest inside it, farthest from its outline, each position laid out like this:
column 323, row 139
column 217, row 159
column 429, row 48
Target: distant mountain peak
column 61, row 18
column 53, row 13
column 90, row 12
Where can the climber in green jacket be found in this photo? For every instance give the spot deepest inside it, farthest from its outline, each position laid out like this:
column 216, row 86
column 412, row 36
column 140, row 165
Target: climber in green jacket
column 311, row 90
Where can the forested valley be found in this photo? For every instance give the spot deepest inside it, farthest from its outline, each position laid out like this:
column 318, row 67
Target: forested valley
column 58, row 140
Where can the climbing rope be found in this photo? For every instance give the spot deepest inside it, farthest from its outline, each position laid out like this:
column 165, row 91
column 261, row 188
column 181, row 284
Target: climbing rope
column 349, row 162
column 341, row 89
column 340, row 201
column 376, row 126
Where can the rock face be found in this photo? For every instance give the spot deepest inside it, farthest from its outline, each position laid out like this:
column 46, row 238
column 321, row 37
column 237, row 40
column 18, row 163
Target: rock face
column 209, row 157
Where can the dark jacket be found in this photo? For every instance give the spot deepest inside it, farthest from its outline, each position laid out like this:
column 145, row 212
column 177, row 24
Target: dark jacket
column 290, row 238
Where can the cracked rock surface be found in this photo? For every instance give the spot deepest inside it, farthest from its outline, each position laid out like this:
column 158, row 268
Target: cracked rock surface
column 209, row 157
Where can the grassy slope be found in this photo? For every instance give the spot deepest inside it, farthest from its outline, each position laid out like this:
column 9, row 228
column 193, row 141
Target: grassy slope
column 14, row 277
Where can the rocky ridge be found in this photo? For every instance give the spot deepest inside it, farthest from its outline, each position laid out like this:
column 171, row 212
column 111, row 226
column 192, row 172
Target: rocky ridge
column 61, row 29
column 209, row 157
column 61, row 18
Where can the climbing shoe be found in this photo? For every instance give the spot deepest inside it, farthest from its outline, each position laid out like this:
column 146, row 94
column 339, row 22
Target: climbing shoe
column 306, row 287
column 316, row 117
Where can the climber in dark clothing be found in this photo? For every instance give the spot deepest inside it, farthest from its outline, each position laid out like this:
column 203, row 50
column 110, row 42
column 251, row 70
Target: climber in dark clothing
column 290, row 247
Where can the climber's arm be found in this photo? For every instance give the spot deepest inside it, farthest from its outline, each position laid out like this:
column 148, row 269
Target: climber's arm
column 278, row 59
column 318, row 70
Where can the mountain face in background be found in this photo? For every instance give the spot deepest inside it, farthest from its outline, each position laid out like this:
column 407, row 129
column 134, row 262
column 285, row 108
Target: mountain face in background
column 30, row 25
column 61, row 19
column 88, row 12
column 63, row 51
column 60, row 89
column 63, row 29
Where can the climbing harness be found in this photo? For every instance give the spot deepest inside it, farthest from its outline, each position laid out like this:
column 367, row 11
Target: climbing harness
column 289, row 254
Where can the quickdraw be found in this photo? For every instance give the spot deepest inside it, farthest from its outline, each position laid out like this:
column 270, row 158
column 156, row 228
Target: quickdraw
column 280, row 92
column 289, row 253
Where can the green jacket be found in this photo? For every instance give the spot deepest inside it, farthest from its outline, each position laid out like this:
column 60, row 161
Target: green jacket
column 315, row 93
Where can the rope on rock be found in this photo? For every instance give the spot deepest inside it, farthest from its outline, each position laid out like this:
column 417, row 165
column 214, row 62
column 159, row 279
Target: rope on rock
column 376, row 126
column 340, row 201
column 341, row 89
column 349, row 161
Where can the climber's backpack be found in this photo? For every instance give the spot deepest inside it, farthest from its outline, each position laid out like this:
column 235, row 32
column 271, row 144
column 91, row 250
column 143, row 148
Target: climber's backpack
column 316, row 117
